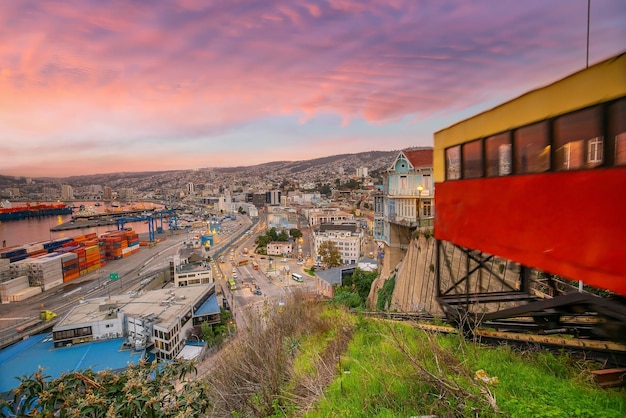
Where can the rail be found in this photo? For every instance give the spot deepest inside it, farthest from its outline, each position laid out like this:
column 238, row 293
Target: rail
column 523, row 332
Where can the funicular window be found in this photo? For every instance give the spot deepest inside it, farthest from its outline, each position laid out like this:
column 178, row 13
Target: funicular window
column 575, row 135
column 532, row 149
column 617, row 130
column 473, row 159
column 453, row 163
column 498, row 149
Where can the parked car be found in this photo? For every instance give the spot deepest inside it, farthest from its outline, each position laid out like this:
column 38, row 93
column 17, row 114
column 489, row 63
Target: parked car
column 258, row 292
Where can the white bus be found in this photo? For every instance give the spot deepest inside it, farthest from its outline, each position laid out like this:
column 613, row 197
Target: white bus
column 297, row 277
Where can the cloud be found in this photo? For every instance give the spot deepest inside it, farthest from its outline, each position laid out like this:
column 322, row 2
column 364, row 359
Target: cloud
column 188, row 72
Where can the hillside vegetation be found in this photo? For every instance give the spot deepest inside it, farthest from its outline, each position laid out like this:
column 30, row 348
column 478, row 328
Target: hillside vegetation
column 316, row 359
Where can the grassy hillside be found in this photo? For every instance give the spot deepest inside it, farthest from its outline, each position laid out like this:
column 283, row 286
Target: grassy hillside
column 317, row 360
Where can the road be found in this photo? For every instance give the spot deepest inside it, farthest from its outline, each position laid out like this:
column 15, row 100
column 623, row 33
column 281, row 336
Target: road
column 133, row 272
column 272, row 279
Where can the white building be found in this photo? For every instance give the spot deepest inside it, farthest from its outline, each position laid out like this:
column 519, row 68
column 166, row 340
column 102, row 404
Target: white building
column 361, row 172
column 280, row 248
column 318, row 216
column 159, row 320
column 67, row 192
column 189, row 273
column 346, row 237
column 273, row 197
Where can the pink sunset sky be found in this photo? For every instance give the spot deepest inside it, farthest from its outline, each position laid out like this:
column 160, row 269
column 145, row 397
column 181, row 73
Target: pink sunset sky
column 91, row 87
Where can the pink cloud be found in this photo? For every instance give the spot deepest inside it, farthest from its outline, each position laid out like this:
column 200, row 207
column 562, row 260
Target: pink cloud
column 192, row 71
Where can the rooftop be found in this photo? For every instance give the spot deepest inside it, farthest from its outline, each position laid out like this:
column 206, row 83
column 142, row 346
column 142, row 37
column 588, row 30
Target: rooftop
column 28, row 355
column 164, row 305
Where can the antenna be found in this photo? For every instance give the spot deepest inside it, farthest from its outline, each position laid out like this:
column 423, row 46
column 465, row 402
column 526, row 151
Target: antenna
column 588, row 17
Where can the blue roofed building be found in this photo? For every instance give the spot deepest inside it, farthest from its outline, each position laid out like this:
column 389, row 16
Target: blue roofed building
column 113, row 332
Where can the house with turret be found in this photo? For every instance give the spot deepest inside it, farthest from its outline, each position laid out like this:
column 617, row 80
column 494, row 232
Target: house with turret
column 405, row 203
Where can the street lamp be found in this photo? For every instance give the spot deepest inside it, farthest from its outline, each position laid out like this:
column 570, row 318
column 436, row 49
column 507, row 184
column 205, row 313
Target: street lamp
column 419, row 199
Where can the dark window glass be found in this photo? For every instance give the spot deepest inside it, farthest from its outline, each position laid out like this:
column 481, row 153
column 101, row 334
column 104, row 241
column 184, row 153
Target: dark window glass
column 532, row 149
column 473, row 159
column 617, row 130
column 498, row 149
column 577, row 139
column 453, row 163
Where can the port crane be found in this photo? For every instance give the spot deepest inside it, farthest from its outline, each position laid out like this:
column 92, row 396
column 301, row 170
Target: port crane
column 152, row 221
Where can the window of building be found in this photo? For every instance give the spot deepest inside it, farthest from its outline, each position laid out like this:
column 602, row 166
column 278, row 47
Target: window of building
column 427, row 209
column 453, row 163
column 617, row 130
column 532, row 148
column 498, row 149
column 473, row 159
column 571, row 134
column 595, row 152
column 403, row 183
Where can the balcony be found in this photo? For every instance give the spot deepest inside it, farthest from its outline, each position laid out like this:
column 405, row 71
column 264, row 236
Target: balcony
column 424, row 221
column 411, row 193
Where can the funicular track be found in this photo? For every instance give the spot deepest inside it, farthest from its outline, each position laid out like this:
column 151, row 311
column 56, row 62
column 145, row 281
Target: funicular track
column 524, row 334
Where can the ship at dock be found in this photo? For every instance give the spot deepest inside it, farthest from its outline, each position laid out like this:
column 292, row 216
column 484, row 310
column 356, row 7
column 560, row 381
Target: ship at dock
column 28, row 210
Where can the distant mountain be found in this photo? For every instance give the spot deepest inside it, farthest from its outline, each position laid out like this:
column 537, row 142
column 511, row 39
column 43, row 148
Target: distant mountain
column 375, row 161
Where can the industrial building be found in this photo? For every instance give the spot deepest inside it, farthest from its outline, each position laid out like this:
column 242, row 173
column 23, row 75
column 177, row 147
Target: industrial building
column 160, row 321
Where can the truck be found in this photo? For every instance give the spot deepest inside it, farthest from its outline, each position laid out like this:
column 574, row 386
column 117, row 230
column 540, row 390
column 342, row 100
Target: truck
column 44, row 316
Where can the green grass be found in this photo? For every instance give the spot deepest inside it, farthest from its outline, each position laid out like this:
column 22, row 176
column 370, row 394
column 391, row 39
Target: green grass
column 392, row 370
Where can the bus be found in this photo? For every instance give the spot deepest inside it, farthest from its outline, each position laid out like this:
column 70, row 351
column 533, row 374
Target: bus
column 232, row 284
column 255, row 265
column 297, row 277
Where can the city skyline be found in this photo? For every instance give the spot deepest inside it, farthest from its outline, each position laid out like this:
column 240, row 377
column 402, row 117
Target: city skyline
column 90, row 88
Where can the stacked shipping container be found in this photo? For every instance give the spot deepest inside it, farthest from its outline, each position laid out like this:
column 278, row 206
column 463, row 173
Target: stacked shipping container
column 119, row 244
column 17, row 289
column 50, row 264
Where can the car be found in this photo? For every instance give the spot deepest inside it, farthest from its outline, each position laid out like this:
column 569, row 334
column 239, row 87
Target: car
column 234, row 275
column 234, row 270
column 258, row 292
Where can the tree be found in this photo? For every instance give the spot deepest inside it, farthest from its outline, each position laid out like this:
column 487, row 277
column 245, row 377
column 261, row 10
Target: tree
column 361, row 282
column 329, row 254
column 325, row 189
column 283, row 236
column 142, row 390
column 295, row 233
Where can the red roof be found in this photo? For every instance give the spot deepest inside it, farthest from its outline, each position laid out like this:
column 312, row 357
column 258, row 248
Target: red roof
column 420, row 158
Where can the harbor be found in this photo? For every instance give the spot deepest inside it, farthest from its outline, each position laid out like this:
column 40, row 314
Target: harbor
column 92, row 219
column 44, row 228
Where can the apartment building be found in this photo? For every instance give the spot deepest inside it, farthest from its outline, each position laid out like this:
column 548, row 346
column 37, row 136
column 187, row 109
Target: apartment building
column 346, row 236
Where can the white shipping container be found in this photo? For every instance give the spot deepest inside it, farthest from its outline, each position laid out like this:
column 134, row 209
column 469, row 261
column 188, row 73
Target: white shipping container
column 52, row 285
column 13, row 285
column 25, row 294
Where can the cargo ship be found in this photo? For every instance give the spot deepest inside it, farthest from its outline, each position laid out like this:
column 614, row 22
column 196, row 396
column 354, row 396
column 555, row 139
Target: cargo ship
column 9, row 213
